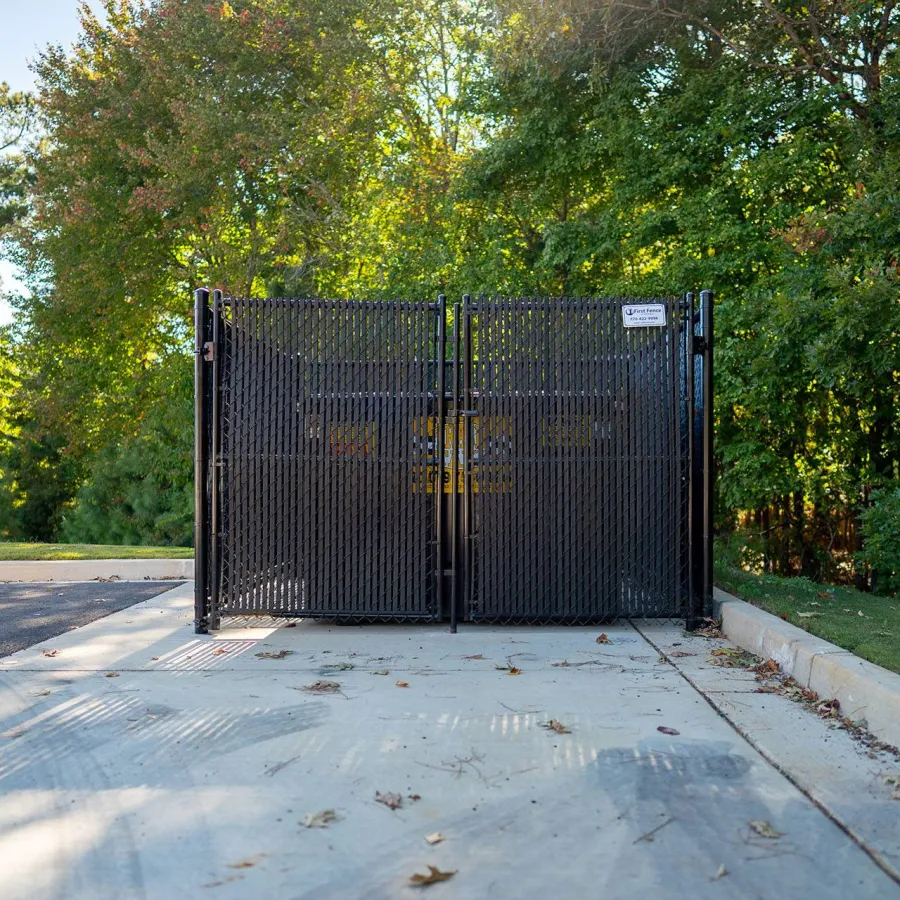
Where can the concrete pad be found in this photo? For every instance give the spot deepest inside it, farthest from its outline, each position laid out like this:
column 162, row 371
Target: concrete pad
column 188, row 775
column 866, row 692
column 842, row 775
column 94, row 569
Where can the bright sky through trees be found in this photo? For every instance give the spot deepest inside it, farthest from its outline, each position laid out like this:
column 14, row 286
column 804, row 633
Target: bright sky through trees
column 27, row 29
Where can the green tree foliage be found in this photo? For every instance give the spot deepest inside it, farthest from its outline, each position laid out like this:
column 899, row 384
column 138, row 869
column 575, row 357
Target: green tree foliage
column 585, row 146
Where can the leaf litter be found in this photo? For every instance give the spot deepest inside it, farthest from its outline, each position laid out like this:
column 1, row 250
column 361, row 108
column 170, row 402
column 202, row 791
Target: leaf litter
column 434, row 876
column 557, row 726
column 391, row 801
column 321, row 819
column 666, row 730
column 434, row 838
column 281, row 654
column 603, row 639
column 765, row 829
column 322, row 687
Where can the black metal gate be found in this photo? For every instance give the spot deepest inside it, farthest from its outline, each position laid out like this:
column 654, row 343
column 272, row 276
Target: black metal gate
column 497, row 460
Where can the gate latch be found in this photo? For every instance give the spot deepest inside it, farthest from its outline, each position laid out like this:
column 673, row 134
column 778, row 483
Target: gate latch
column 209, row 351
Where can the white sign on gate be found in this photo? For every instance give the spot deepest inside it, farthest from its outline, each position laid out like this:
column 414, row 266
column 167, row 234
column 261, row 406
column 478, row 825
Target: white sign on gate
column 643, row 315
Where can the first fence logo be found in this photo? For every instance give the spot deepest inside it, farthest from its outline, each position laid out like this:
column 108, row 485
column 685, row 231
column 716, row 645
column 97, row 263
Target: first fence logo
column 644, row 316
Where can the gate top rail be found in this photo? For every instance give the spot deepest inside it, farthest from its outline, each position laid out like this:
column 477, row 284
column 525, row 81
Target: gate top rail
column 536, row 300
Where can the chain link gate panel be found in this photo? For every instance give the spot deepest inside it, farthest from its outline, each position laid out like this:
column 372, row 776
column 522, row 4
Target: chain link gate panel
column 577, row 500
column 321, row 456
column 540, row 462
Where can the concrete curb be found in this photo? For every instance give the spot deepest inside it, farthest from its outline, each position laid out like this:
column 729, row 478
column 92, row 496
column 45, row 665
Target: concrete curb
column 91, row 569
column 865, row 691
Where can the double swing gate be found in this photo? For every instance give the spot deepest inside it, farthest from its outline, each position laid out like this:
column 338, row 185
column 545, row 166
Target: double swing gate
column 497, row 460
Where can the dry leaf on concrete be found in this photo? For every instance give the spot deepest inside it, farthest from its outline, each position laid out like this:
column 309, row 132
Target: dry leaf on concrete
column 510, row 670
column 322, row 687
column 50, row 652
column 321, row 819
column 281, row 654
column 248, row 863
column 391, row 801
column 111, row 675
column 219, row 651
column 721, row 872
column 433, row 877
column 666, row 730
column 475, row 656
column 402, row 684
column 555, row 725
column 414, row 797
column 604, row 639
column 339, row 667
column 434, row 838
column 381, row 672
column 764, row 829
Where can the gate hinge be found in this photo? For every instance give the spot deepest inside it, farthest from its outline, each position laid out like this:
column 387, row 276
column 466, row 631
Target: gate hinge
column 209, row 351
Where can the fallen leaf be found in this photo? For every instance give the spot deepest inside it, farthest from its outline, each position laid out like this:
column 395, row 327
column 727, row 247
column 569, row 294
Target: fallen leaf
column 434, row 838
column 340, row 667
column 860, row 613
column 814, row 603
column 291, row 625
column 681, row 653
column 381, row 672
column 770, row 667
column 604, row 639
column 391, row 801
column 248, row 863
column 783, row 616
column 475, row 656
column 825, row 595
column 433, row 877
column 666, row 730
column 111, row 675
column 557, row 726
column 510, row 670
column 49, row 652
column 892, row 779
column 43, row 693
column 721, row 872
column 154, row 658
column 414, row 797
column 764, row 829
column 281, row 654
column 402, row 684
column 321, row 819
column 322, row 687
column 808, row 615
column 219, row 651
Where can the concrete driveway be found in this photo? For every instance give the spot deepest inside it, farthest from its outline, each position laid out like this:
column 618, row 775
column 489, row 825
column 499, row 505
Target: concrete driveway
column 138, row 760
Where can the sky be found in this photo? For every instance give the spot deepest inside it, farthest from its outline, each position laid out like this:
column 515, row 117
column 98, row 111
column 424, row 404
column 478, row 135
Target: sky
column 26, row 27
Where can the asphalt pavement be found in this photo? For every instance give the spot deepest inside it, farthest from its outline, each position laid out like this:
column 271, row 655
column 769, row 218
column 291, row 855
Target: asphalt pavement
column 35, row 612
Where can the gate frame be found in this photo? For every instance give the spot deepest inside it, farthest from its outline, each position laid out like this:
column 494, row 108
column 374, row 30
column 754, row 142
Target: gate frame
column 454, row 406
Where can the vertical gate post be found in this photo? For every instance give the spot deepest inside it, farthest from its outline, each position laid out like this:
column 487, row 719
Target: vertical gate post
column 701, row 452
column 455, row 420
column 201, row 460
column 706, row 331
column 439, row 420
column 215, row 465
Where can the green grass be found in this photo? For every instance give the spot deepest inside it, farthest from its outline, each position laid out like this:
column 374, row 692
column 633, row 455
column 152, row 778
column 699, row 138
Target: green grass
column 874, row 635
column 13, row 551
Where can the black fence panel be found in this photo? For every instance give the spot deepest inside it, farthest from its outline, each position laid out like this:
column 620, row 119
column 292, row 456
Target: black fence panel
column 325, row 507
column 578, row 503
